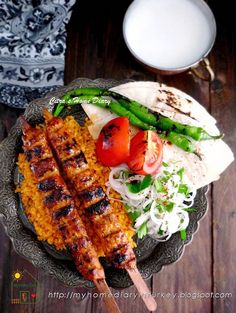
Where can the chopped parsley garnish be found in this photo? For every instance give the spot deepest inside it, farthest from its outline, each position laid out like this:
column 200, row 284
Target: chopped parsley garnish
column 136, row 187
column 143, row 230
column 134, row 215
column 190, row 210
column 148, row 207
column 183, row 188
column 159, row 186
column 169, row 206
column 165, row 164
column 183, row 234
column 124, row 173
column 162, row 207
column 180, row 172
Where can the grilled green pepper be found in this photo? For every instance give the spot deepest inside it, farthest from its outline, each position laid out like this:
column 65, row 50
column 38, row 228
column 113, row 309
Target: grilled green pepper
column 138, row 115
column 114, row 107
column 180, row 141
column 159, row 121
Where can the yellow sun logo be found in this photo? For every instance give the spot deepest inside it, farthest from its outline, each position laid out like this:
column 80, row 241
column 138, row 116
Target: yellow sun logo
column 17, row 275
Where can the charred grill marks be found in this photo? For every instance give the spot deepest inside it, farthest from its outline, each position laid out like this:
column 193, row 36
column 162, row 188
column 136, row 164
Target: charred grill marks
column 98, row 208
column 47, row 184
column 67, row 149
column 119, row 258
column 42, row 167
column 35, row 152
column 92, row 197
column 82, row 181
column 77, row 161
column 58, row 194
column 63, row 212
column 122, row 256
column 57, row 198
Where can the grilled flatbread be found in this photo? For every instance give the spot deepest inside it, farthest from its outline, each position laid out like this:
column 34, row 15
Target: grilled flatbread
column 215, row 154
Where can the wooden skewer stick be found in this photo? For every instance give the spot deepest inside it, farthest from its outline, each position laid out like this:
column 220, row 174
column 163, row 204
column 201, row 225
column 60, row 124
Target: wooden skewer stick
column 108, row 298
column 142, row 289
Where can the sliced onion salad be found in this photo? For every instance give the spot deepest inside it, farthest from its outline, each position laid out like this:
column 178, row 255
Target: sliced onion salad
column 159, row 205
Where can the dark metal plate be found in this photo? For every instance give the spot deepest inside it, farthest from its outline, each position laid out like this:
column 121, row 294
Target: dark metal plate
column 151, row 255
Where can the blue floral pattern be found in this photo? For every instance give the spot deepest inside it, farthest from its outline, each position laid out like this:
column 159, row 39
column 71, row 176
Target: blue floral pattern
column 32, row 48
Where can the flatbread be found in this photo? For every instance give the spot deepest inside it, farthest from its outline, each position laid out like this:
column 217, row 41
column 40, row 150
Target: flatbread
column 216, row 155
column 168, row 99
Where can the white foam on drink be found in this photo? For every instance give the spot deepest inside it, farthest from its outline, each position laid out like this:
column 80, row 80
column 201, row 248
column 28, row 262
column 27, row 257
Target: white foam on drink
column 168, row 34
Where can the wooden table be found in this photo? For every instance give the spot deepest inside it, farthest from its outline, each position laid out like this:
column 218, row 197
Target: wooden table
column 96, row 49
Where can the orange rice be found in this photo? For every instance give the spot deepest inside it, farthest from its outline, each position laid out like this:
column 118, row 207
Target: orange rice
column 39, row 215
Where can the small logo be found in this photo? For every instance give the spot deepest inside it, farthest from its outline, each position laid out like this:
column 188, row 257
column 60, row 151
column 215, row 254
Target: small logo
column 25, row 288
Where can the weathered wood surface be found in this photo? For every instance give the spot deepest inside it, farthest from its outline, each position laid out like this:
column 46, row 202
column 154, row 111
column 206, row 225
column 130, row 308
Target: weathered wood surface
column 96, row 49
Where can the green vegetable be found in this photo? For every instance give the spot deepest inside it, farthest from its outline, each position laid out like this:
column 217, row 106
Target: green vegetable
column 114, row 107
column 88, row 91
column 147, row 208
column 180, row 141
column 143, row 230
column 159, row 121
column 138, row 115
column 164, row 205
column 96, row 100
column 59, row 108
column 134, row 215
column 159, row 186
column 190, row 210
column 71, row 97
column 164, row 164
column 183, row 188
column 183, row 234
column 197, row 133
column 125, row 174
column 140, row 111
column 140, row 185
column 180, row 172
column 121, row 111
column 160, row 207
column 169, row 206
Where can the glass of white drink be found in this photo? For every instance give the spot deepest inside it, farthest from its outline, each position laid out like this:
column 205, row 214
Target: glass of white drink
column 170, row 36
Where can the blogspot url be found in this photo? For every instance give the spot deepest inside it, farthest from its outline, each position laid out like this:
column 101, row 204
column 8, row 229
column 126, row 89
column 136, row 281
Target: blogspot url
column 133, row 295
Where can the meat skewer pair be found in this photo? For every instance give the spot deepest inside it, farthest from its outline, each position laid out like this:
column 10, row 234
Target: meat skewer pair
column 94, row 203
column 58, row 200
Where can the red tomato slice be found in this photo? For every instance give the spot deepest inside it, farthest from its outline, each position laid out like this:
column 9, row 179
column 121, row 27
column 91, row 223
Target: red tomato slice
column 112, row 146
column 146, row 153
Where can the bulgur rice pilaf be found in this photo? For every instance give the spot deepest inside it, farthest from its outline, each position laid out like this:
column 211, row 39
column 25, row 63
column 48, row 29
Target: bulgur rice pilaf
column 39, row 215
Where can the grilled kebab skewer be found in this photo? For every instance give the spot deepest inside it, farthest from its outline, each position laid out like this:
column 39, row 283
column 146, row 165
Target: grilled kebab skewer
column 94, row 202
column 60, row 203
